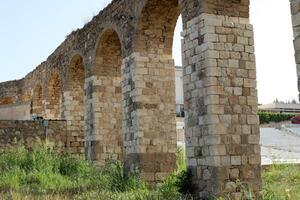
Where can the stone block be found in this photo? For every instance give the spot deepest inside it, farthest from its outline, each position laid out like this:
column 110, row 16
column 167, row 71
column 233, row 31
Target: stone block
column 236, row 160
column 296, row 19
column 252, row 119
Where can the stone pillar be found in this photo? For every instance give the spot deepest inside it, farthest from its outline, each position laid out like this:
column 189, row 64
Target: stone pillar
column 73, row 113
column 222, row 128
column 104, row 119
column 149, row 115
column 89, row 120
column 295, row 9
column 73, row 104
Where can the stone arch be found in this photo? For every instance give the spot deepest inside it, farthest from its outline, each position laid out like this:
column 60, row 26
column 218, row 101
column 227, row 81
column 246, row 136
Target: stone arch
column 151, row 148
column 108, row 54
column 73, row 102
column 105, row 122
column 219, row 80
column 53, row 97
column 75, row 72
column 155, row 29
column 37, row 100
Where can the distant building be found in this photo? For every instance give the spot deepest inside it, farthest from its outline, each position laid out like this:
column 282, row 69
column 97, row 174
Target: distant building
column 280, row 108
column 179, row 91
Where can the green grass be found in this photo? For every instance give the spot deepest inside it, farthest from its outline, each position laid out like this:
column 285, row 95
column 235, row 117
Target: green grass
column 281, row 182
column 42, row 174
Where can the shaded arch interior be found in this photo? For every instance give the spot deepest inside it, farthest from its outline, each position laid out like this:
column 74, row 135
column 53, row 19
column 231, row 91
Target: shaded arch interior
column 107, row 99
column 156, row 27
column 53, row 97
column 74, row 106
column 37, row 100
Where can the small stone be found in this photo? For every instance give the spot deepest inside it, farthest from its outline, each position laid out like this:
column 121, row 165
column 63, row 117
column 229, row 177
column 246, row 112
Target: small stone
column 230, row 187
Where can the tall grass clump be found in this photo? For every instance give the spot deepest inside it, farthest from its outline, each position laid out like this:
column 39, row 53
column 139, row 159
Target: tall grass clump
column 39, row 173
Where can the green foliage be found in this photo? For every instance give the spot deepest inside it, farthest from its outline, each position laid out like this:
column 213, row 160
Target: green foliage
column 26, row 174
column 266, row 117
column 281, row 182
column 180, row 161
column 118, row 180
column 169, row 189
column 184, row 183
column 41, row 174
column 179, row 184
column 41, row 171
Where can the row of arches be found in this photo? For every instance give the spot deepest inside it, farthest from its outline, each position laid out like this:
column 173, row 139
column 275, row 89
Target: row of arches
column 67, row 100
column 108, row 116
column 47, row 105
column 123, row 107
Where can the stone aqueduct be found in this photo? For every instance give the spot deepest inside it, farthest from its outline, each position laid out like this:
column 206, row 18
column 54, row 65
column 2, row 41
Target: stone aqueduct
column 113, row 83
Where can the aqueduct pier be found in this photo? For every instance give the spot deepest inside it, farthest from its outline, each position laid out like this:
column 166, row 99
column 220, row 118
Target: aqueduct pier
column 112, row 84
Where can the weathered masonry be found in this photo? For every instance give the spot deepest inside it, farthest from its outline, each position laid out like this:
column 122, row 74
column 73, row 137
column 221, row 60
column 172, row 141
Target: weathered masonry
column 295, row 8
column 113, row 83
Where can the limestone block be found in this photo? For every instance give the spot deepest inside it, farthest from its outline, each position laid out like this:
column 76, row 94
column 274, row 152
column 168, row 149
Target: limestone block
column 250, row 83
column 238, row 47
column 217, row 150
column 243, row 40
column 297, row 57
column 253, row 139
column 236, row 160
column 296, row 31
column 252, row 119
column 233, row 63
column 296, row 19
column 230, row 187
column 254, row 159
column 215, row 109
column 225, row 161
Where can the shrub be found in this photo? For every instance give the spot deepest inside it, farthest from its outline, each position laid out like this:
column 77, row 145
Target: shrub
column 266, row 117
column 184, row 183
column 180, row 159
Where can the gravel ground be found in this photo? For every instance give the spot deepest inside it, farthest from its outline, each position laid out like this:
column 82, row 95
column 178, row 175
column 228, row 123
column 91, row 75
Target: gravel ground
column 279, row 146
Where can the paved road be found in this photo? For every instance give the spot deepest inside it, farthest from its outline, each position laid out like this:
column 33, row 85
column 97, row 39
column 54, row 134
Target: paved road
column 279, row 146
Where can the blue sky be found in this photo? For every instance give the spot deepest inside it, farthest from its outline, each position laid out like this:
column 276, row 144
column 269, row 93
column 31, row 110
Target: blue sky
column 31, row 30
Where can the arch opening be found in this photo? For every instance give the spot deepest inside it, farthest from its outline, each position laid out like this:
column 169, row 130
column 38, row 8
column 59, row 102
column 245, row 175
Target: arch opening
column 53, row 101
column 156, row 27
column 155, row 137
column 106, row 130
column 219, row 91
column 37, row 101
column 73, row 110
